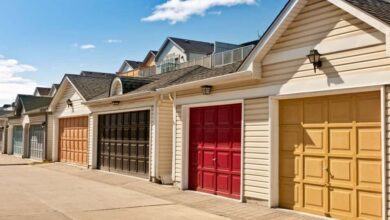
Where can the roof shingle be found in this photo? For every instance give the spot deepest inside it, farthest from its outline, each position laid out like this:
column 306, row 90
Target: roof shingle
column 91, row 86
column 377, row 8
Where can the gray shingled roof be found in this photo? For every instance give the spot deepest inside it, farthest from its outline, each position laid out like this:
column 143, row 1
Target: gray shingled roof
column 133, row 63
column 91, row 86
column 165, row 79
column 377, row 8
column 4, row 112
column 43, row 91
column 194, row 46
column 31, row 102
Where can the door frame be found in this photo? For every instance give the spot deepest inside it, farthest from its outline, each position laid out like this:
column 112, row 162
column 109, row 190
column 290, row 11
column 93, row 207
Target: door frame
column 95, row 134
column 274, row 137
column 186, row 140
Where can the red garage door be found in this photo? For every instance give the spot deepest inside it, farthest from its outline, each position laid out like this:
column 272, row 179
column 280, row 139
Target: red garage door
column 215, row 150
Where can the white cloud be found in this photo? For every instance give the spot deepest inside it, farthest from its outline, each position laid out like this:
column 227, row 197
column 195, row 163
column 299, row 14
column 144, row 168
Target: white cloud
column 10, row 83
column 181, row 10
column 113, row 41
column 87, row 46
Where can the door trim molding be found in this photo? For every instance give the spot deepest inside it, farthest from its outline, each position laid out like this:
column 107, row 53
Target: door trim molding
column 384, row 151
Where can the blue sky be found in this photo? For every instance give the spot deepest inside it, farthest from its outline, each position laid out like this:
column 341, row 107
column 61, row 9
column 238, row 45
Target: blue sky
column 41, row 40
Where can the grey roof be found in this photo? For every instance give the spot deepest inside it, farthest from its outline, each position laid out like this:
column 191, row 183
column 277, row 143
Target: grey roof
column 95, row 74
column 31, row 102
column 43, row 91
column 91, row 86
column 4, row 112
column 132, row 83
column 134, row 64
column 165, row 79
column 56, row 86
column 194, row 46
column 377, row 8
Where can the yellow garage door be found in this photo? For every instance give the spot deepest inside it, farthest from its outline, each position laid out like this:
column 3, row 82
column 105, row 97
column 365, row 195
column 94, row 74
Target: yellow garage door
column 330, row 156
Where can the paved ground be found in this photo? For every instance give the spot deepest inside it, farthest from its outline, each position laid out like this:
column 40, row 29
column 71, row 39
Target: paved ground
column 57, row 191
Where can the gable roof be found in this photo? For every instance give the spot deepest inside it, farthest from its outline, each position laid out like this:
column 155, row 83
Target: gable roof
column 377, row 8
column 91, row 86
column 43, row 91
column 134, row 64
column 31, row 102
column 150, row 53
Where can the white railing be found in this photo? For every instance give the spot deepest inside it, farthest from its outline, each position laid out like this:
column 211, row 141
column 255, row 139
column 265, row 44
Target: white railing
column 148, row 71
column 211, row 61
column 215, row 60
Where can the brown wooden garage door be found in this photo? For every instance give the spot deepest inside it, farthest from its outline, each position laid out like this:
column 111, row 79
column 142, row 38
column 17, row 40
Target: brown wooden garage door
column 124, row 143
column 330, row 156
column 73, row 140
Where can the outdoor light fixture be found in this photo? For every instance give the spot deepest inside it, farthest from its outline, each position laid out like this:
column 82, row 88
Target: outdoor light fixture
column 43, row 124
column 69, row 103
column 115, row 102
column 315, row 59
column 7, row 126
column 206, row 89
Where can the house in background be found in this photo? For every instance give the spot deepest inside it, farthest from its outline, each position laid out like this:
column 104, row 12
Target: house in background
column 41, row 91
column 53, row 89
column 137, row 68
column 69, row 124
column 175, row 51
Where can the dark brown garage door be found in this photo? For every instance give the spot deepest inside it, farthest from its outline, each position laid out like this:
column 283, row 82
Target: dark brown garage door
column 73, row 140
column 124, row 143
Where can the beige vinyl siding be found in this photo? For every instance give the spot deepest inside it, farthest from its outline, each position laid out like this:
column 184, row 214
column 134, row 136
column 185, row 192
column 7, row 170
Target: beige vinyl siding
column 49, row 137
column 164, row 131
column 179, row 145
column 256, row 148
column 321, row 22
column 78, row 109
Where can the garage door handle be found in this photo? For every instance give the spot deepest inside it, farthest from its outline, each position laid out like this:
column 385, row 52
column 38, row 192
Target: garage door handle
column 214, row 159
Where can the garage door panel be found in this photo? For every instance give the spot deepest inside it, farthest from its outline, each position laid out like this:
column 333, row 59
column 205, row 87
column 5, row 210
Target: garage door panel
column 313, row 140
column 369, row 205
column 36, row 143
column 215, row 150
column 341, row 140
column 17, row 140
column 341, row 171
column 74, row 140
column 314, row 197
column 368, row 107
column 291, row 138
column 314, row 168
column 338, row 171
column 341, row 202
column 340, row 109
column 128, row 141
column 314, row 111
column 369, row 173
column 369, row 141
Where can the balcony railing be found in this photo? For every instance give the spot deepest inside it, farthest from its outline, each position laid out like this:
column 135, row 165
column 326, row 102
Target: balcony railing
column 214, row 60
column 147, row 71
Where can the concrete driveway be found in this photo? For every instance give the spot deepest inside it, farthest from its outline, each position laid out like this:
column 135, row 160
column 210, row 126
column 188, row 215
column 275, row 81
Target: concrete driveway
column 57, row 191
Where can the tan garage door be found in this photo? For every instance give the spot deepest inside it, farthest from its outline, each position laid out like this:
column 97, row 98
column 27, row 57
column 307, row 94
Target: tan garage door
column 330, row 156
column 73, row 141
